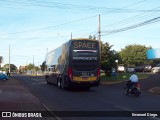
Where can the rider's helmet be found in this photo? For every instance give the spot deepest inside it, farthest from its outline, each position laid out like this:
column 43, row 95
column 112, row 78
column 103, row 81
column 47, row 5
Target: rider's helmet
column 133, row 72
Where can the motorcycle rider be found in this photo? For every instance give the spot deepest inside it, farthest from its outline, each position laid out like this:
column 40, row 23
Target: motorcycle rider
column 132, row 80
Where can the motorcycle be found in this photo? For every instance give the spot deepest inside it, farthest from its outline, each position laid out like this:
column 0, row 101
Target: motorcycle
column 134, row 89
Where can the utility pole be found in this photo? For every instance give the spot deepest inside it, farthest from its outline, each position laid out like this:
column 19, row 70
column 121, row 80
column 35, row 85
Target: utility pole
column 99, row 35
column 33, row 60
column 9, row 60
column 99, row 29
column 33, row 67
column 71, row 35
column 47, row 50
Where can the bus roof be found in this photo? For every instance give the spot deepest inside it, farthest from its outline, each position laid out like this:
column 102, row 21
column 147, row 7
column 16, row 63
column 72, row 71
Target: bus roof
column 83, row 39
column 71, row 40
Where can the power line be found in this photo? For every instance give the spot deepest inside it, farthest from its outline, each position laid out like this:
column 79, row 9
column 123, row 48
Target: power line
column 133, row 18
column 30, row 38
column 95, row 33
column 68, row 22
column 39, row 3
column 49, row 26
column 128, row 20
column 157, row 19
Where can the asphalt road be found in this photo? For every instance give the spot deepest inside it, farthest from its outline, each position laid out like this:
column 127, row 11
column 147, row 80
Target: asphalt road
column 103, row 98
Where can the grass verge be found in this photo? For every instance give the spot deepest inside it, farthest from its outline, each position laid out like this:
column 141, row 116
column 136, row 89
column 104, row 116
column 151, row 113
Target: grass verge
column 121, row 76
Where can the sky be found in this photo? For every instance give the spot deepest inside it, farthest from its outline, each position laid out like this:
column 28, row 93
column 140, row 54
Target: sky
column 33, row 27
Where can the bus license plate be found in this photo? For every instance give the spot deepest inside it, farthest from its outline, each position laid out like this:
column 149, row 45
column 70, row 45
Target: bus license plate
column 84, row 78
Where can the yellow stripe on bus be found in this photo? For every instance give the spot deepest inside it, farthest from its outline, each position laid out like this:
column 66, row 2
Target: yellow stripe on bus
column 84, row 79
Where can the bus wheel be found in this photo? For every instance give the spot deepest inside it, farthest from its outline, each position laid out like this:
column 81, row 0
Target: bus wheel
column 59, row 84
column 63, row 85
column 47, row 81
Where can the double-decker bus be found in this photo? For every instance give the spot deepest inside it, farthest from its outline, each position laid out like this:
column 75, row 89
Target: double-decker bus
column 75, row 63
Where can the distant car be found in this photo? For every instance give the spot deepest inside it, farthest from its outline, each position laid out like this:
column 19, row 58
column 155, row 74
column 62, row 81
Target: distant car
column 3, row 76
column 121, row 68
column 130, row 69
column 156, row 69
column 102, row 71
column 147, row 68
column 139, row 68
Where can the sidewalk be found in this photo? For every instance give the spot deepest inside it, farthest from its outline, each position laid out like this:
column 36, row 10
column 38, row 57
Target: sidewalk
column 16, row 97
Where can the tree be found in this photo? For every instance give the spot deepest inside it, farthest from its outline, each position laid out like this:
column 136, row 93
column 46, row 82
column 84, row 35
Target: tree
column 36, row 68
column 92, row 37
column 1, row 58
column 23, row 68
column 43, row 66
column 12, row 67
column 134, row 55
column 108, row 57
column 30, row 66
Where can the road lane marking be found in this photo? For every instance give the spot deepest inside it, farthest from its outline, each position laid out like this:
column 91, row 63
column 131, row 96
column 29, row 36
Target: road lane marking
column 39, row 83
column 123, row 108
column 52, row 113
column 39, row 80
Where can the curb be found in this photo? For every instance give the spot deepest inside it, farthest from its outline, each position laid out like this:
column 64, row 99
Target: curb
column 109, row 83
column 155, row 90
column 152, row 90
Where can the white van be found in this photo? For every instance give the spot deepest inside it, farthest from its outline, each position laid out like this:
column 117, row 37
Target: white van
column 156, row 69
column 121, row 68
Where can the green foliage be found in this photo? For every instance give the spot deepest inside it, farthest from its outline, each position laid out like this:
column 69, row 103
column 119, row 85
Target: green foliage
column 12, row 66
column 122, row 77
column 92, row 37
column 131, row 55
column 108, row 57
column 36, row 68
column 43, row 66
column 3, row 69
column 30, row 66
column 134, row 55
column 1, row 59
